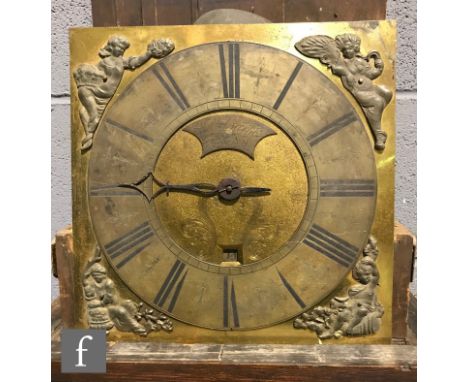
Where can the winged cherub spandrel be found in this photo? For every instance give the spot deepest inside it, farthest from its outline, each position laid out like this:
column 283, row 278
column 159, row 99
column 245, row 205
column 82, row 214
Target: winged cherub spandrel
column 97, row 83
column 343, row 56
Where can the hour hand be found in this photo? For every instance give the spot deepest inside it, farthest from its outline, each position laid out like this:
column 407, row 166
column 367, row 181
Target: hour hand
column 207, row 190
column 202, row 189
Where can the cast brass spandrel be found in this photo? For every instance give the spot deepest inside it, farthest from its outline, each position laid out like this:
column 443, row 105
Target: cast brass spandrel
column 106, row 309
column 343, row 56
column 97, row 84
column 357, row 314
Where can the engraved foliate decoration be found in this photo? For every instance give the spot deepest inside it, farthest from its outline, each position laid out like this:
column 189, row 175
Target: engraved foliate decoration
column 237, row 132
column 97, row 83
column 343, row 56
column 357, row 314
column 107, row 309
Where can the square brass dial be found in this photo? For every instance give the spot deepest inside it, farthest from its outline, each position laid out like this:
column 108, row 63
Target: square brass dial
column 234, row 183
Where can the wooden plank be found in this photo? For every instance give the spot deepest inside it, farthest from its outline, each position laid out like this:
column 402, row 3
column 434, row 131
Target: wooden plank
column 334, row 10
column 271, row 10
column 168, row 372
column 183, row 12
column 56, row 314
column 402, row 271
column 209, row 5
column 316, row 355
column 195, row 11
column 65, row 267
column 174, row 12
column 103, row 12
column 412, row 313
column 128, row 12
column 197, row 362
column 149, row 12
column 53, row 259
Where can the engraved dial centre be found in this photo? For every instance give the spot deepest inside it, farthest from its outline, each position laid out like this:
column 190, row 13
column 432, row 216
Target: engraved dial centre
column 259, row 167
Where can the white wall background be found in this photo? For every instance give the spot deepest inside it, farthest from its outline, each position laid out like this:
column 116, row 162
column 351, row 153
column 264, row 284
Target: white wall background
column 76, row 13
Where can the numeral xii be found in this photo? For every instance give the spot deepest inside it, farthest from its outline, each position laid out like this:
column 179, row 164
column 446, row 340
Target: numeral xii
column 230, row 74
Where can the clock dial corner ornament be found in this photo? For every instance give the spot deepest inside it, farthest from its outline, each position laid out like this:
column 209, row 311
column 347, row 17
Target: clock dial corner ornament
column 97, row 83
column 231, row 186
column 343, row 56
column 357, row 314
column 106, row 309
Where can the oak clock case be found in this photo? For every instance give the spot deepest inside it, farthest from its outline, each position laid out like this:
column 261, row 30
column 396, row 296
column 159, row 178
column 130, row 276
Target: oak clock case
column 231, row 190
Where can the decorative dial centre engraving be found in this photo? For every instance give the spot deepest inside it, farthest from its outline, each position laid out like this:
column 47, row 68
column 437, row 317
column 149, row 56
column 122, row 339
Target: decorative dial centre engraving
column 259, row 167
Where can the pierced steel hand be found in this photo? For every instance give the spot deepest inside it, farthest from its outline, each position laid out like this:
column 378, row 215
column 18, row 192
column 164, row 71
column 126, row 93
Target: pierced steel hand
column 228, row 189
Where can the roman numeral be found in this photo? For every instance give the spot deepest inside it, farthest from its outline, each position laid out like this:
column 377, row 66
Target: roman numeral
column 347, row 187
column 288, row 84
column 331, row 246
column 111, row 190
column 113, row 124
column 231, row 76
column 229, row 298
column 175, row 278
column 331, row 128
column 130, row 244
column 291, row 290
column 170, row 85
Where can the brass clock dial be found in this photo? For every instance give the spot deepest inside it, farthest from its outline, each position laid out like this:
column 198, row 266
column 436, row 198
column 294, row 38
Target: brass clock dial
column 263, row 179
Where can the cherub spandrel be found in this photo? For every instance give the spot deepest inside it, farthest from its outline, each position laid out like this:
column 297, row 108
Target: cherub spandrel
column 343, row 56
column 107, row 309
column 357, row 314
column 97, row 83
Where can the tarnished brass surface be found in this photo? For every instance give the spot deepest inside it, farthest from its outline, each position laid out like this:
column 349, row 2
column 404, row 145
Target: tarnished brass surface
column 258, row 293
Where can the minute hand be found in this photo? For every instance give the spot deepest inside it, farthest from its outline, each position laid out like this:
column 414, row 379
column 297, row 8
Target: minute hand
column 202, row 189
